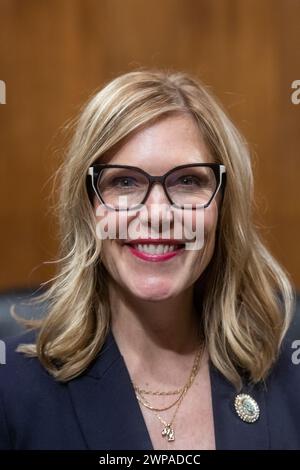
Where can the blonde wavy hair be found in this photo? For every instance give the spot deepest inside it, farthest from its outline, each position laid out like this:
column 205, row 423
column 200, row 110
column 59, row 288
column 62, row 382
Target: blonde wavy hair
column 247, row 299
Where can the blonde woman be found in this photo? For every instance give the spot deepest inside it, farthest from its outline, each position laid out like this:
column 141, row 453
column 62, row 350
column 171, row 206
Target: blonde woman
column 168, row 318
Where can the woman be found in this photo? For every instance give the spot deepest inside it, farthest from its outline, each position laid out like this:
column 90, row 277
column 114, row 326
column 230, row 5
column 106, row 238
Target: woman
column 156, row 340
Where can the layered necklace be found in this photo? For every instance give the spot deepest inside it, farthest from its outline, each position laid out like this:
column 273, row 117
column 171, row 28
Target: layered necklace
column 168, row 430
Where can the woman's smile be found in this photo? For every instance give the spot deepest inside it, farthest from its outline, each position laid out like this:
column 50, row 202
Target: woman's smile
column 155, row 250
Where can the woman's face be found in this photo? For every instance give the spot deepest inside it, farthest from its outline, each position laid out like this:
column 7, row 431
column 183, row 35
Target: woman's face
column 170, row 142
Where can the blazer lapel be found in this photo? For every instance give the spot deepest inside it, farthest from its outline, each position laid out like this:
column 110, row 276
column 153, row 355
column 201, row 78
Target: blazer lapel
column 106, row 406
column 230, row 431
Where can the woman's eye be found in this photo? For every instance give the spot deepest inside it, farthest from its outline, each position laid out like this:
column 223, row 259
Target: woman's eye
column 123, row 182
column 189, row 180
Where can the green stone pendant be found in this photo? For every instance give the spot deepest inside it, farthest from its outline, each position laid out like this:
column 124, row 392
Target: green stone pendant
column 246, row 408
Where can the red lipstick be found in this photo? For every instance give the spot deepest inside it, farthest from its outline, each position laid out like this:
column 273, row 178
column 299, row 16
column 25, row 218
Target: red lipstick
column 155, row 257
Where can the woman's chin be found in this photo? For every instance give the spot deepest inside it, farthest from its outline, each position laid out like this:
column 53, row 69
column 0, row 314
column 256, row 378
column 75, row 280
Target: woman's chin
column 153, row 291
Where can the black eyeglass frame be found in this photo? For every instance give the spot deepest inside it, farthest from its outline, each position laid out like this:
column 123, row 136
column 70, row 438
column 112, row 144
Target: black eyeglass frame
column 218, row 169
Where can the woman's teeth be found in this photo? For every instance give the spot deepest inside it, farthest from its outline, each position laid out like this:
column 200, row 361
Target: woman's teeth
column 154, row 249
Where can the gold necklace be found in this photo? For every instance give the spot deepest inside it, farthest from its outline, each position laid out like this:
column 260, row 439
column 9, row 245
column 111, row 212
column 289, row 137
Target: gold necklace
column 168, row 430
column 140, row 392
column 149, row 392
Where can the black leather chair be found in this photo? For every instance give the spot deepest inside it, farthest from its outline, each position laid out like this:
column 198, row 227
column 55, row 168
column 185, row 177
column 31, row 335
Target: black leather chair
column 8, row 325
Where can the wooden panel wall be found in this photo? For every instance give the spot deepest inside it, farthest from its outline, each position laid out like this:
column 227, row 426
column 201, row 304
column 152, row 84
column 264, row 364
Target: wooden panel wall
column 55, row 53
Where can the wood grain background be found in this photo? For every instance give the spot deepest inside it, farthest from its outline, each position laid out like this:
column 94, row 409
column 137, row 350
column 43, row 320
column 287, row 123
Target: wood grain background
column 55, row 53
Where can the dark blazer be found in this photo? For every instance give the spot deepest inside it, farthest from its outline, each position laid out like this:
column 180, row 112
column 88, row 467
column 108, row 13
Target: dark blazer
column 99, row 409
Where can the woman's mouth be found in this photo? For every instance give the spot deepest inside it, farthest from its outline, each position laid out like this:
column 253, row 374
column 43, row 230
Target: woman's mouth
column 155, row 251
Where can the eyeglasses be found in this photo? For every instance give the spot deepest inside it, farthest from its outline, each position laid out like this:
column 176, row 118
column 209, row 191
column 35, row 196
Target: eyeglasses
column 124, row 187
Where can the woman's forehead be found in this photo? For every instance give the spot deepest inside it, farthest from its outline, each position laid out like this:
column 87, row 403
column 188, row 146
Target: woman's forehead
column 169, row 142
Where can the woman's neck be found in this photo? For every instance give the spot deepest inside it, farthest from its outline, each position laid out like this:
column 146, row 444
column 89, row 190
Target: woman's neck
column 149, row 332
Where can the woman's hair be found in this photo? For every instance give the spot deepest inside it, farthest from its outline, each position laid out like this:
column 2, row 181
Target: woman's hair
column 246, row 298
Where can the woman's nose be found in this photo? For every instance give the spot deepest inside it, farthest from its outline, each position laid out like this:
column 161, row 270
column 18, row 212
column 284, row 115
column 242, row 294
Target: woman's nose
column 157, row 195
column 158, row 212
